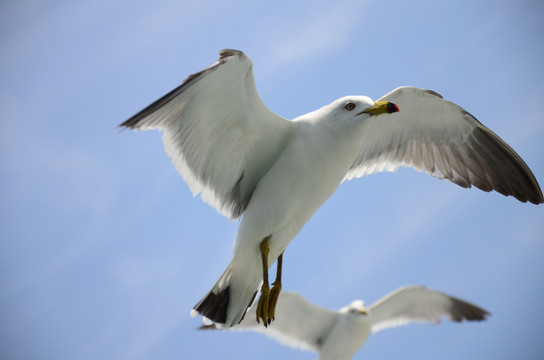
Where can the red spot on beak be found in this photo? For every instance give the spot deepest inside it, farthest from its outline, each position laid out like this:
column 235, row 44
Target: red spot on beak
column 392, row 108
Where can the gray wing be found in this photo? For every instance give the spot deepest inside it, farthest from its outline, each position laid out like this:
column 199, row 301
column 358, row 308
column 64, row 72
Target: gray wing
column 218, row 133
column 436, row 136
column 299, row 323
column 419, row 304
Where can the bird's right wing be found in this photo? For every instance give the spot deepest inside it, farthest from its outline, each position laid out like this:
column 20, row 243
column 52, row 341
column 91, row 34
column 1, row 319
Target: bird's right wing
column 299, row 323
column 219, row 134
column 419, row 304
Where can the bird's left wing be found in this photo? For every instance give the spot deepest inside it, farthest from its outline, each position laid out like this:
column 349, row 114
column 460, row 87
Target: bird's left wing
column 437, row 136
column 299, row 323
column 419, row 304
column 218, row 133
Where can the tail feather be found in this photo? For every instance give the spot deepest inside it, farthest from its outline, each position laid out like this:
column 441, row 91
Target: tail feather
column 226, row 304
column 248, row 306
column 214, row 306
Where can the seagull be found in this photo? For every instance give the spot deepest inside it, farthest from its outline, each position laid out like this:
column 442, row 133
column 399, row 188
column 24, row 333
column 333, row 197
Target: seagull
column 245, row 160
column 340, row 334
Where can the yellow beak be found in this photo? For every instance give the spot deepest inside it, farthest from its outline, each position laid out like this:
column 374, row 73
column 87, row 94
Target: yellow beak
column 381, row 107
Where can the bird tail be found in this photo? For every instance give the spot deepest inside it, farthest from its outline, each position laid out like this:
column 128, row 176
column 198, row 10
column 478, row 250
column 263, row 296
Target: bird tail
column 228, row 300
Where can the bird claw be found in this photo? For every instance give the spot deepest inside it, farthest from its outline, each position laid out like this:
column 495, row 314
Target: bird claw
column 272, row 301
column 266, row 307
column 263, row 305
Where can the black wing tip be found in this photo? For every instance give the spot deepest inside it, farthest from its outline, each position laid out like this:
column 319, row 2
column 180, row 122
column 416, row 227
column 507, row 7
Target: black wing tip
column 130, row 123
column 533, row 197
column 462, row 310
column 506, row 172
column 134, row 121
column 227, row 53
column 432, row 92
column 536, row 196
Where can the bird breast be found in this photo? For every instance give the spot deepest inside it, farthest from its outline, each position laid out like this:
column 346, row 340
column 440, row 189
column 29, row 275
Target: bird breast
column 308, row 171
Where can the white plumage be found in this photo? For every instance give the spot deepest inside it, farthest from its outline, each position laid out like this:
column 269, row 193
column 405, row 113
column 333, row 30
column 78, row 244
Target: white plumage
column 244, row 159
column 340, row 334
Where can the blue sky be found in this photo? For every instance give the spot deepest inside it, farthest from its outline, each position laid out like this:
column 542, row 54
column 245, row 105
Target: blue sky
column 103, row 249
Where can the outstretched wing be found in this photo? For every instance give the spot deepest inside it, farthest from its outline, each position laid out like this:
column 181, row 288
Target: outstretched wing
column 218, row 133
column 419, row 304
column 436, row 136
column 299, row 323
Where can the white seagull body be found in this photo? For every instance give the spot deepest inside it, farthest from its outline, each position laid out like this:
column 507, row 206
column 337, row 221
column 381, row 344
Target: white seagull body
column 340, row 334
column 244, row 159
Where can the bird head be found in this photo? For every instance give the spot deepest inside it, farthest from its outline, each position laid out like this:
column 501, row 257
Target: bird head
column 353, row 109
column 356, row 307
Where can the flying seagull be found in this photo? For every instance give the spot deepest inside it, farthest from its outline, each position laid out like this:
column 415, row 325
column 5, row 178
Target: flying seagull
column 244, row 159
column 340, row 334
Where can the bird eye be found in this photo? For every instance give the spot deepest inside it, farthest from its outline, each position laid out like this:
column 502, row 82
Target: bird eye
column 349, row 106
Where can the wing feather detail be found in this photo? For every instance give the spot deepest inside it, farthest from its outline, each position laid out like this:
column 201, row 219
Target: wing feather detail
column 220, row 136
column 299, row 323
column 440, row 138
column 419, row 304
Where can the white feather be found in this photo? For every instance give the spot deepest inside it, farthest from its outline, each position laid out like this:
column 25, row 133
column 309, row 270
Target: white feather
column 244, row 159
column 340, row 334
